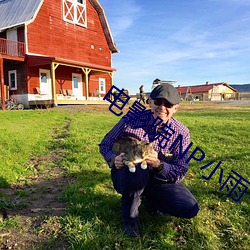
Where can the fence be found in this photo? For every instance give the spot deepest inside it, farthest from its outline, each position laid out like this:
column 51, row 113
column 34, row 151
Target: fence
column 217, row 96
column 12, row 48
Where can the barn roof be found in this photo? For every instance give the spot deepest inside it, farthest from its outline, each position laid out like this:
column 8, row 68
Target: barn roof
column 201, row 88
column 18, row 12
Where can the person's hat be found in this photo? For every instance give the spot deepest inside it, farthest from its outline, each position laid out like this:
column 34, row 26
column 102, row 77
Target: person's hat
column 166, row 91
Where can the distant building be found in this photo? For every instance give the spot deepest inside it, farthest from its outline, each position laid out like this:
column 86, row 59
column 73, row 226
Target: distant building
column 207, row 92
column 157, row 82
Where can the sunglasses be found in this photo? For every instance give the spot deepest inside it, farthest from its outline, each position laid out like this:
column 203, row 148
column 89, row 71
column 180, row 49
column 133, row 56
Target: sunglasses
column 159, row 102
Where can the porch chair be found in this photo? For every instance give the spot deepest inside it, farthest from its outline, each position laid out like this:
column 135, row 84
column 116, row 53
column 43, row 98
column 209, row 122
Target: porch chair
column 97, row 93
column 70, row 92
column 38, row 93
column 64, row 93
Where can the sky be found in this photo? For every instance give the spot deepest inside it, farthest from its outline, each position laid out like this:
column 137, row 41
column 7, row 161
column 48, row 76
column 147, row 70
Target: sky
column 187, row 41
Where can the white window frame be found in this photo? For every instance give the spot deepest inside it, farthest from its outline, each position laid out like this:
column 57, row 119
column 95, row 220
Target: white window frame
column 9, row 75
column 102, row 82
column 78, row 16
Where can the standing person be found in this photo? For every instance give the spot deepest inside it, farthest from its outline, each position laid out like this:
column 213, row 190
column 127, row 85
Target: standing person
column 156, row 83
column 142, row 98
column 160, row 184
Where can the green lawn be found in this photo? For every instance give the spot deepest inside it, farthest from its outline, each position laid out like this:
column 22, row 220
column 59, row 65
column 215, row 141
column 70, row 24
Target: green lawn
column 92, row 219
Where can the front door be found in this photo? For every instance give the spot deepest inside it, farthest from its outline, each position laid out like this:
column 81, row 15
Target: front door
column 77, row 85
column 12, row 45
column 45, row 83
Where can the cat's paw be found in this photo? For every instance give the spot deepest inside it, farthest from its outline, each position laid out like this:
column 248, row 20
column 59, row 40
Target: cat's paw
column 132, row 170
column 144, row 166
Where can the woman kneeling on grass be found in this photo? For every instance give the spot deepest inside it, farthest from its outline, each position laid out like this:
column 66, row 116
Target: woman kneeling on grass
column 159, row 184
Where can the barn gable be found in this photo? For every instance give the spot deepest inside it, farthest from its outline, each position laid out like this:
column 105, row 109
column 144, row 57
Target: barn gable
column 18, row 12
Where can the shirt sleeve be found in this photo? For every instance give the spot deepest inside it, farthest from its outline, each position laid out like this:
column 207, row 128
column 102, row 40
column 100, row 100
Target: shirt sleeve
column 106, row 144
column 176, row 170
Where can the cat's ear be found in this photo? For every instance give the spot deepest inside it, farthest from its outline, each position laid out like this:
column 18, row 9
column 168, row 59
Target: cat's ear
column 149, row 143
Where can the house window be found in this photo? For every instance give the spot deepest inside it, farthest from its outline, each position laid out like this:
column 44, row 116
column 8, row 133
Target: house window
column 12, row 80
column 74, row 11
column 102, row 86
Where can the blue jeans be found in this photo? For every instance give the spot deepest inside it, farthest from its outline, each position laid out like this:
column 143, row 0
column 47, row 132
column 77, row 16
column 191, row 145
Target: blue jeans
column 168, row 198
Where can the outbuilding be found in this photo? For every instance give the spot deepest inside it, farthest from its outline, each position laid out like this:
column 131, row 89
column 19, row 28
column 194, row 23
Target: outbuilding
column 208, row 92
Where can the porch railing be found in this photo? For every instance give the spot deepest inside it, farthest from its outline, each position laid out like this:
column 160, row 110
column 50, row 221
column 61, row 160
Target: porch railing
column 12, row 48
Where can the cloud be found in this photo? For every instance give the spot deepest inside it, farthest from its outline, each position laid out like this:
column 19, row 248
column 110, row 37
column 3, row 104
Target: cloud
column 191, row 43
column 122, row 15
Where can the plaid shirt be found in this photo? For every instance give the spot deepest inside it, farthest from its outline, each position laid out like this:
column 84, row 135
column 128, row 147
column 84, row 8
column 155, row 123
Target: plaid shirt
column 174, row 168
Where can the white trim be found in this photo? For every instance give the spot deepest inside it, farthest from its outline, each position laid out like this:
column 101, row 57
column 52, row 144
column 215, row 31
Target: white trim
column 15, row 74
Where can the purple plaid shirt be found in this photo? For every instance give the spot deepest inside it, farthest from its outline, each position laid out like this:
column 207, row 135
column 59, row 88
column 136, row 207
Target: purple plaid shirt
column 174, row 168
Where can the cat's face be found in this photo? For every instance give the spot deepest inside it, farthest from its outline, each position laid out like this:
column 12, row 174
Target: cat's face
column 146, row 148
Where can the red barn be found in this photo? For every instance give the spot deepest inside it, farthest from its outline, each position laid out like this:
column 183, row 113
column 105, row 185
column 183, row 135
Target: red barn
column 56, row 52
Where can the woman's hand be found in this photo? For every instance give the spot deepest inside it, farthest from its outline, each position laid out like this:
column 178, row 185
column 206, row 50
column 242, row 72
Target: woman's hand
column 119, row 161
column 153, row 160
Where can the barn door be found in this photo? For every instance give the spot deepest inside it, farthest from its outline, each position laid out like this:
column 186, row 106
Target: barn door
column 77, row 85
column 45, row 83
column 12, row 46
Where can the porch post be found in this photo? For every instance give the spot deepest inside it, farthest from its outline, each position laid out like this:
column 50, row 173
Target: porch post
column 111, row 78
column 53, row 79
column 2, row 84
column 86, row 72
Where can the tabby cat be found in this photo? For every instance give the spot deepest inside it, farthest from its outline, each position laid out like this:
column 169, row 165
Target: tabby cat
column 135, row 151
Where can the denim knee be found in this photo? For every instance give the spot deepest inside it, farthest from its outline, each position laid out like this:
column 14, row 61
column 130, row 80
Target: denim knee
column 191, row 212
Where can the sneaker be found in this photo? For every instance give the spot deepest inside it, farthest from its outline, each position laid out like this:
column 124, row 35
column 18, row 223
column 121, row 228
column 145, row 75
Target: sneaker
column 131, row 230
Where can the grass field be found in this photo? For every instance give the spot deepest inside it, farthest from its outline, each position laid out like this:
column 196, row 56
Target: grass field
column 40, row 148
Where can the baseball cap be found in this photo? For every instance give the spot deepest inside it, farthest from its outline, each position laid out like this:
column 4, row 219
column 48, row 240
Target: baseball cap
column 166, row 91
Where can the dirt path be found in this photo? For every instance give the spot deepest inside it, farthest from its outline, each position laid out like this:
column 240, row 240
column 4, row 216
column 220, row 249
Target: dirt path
column 34, row 203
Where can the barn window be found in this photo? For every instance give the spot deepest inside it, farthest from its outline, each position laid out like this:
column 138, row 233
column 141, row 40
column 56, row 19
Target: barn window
column 74, row 11
column 12, row 80
column 102, row 86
